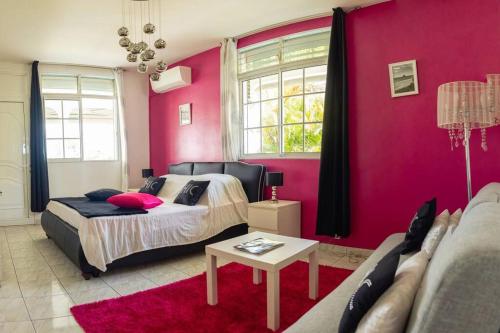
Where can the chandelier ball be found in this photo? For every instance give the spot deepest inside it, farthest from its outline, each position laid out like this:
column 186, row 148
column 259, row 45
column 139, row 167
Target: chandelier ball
column 142, row 68
column 155, row 76
column 149, row 28
column 123, row 32
column 143, row 45
column 124, row 42
column 130, row 47
column 144, row 57
column 136, row 49
column 132, row 57
column 161, row 66
column 160, row 43
column 149, row 54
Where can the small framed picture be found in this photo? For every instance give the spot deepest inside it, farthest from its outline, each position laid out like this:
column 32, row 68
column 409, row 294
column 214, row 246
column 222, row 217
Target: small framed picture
column 185, row 114
column 404, row 79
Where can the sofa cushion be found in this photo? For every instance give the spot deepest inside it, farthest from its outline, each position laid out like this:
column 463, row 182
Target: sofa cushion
column 460, row 291
column 436, row 233
column 325, row 316
column 419, row 227
column 369, row 290
column 390, row 313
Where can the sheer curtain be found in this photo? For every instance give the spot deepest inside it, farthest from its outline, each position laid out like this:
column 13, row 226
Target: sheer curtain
column 230, row 115
column 118, row 75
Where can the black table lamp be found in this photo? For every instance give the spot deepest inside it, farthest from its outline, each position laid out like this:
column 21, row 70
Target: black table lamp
column 274, row 179
column 146, row 173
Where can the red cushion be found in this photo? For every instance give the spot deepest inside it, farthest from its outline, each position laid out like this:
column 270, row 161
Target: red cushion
column 135, row 200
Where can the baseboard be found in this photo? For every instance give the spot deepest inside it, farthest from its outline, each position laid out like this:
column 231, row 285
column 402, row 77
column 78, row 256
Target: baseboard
column 20, row 221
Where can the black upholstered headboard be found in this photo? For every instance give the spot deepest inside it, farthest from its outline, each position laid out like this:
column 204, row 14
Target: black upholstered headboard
column 250, row 175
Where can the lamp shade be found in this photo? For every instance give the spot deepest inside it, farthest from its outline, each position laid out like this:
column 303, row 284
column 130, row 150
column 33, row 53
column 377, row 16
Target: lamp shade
column 274, row 178
column 147, row 173
column 493, row 82
column 463, row 104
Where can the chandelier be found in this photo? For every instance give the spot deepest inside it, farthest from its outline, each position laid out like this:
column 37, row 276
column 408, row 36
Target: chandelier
column 136, row 39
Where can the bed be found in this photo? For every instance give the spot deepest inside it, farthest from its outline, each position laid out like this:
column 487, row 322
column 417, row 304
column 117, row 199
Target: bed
column 67, row 228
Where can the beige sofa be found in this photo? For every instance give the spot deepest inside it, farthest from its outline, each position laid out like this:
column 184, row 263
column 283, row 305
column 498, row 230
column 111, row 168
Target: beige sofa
column 460, row 291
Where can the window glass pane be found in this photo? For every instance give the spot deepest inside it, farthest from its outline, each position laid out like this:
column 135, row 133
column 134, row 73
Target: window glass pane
column 293, row 82
column 245, row 142
column 312, row 138
column 71, row 109
column 293, row 110
column 55, row 149
column 270, row 140
column 99, row 129
column 254, row 115
column 59, row 84
column 269, row 87
column 72, row 148
column 95, row 86
column 259, row 57
column 245, row 116
column 270, row 112
column 315, row 79
column 71, row 128
column 254, row 91
column 306, row 47
column 53, row 129
column 293, row 138
column 253, row 141
column 53, row 108
column 245, row 92
column 315, row 105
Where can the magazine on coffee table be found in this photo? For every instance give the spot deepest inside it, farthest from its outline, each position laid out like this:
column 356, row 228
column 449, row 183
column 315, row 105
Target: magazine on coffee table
column 258, row 246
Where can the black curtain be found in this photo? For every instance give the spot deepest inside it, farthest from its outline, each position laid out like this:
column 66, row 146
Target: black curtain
column 333, row 197
column 38, row 152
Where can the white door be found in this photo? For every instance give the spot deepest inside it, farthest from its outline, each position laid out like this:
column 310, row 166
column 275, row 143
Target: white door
column 12, row 162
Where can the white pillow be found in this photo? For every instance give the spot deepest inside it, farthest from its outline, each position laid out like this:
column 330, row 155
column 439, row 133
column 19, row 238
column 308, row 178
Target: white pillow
column 455, row 220
column 390, row 313
column 436, row 233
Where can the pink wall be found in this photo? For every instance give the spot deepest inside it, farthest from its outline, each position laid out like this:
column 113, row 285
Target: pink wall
column 199, row 141
column 398, row 156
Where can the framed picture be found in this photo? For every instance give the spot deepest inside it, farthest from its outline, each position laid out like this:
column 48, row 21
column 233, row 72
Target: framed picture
column 404, row 79
column 185, row 114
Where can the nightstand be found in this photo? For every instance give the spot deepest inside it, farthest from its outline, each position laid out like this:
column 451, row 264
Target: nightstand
column 281, row 218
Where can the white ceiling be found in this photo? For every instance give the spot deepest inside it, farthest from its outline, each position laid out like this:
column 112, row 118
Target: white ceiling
column 84, row 31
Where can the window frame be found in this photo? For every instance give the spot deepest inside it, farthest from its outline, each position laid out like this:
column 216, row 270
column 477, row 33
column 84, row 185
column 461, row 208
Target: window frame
column 79, row 97
column 273, row 70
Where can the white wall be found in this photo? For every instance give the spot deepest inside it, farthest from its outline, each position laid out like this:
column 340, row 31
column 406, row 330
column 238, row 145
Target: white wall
column 68, row 179
column 136, row 100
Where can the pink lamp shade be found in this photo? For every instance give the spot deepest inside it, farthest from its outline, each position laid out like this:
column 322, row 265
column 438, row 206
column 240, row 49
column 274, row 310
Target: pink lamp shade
column 493, row 82
column 461, row 107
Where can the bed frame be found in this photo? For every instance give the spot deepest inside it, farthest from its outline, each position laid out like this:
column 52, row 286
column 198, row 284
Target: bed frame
column 66, row 236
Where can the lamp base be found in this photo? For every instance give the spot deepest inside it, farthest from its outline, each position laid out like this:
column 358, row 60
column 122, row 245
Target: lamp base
column 274, row 199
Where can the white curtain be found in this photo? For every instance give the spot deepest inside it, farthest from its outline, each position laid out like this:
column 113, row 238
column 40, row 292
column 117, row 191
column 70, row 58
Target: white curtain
column 230, row 115
column 118, row 75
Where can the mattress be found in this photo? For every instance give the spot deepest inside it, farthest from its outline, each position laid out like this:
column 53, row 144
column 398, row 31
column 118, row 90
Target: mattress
column 105, row 239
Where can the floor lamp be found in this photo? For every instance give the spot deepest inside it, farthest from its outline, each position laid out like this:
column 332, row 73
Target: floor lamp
column 463, row 106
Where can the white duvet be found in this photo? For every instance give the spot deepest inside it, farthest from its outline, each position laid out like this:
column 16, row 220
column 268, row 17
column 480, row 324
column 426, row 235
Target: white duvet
column 105, row 239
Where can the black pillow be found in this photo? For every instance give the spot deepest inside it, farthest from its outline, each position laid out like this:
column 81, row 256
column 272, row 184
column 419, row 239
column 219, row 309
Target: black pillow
column 191, row 192
column 153, row 185
column 102, row 195
column 419, row 227
column 369, row 291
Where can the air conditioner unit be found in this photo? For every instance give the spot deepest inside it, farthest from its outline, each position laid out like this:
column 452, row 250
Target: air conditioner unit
column 173, row 78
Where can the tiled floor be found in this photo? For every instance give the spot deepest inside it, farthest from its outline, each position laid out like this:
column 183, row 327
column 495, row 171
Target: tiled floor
column 39, row 284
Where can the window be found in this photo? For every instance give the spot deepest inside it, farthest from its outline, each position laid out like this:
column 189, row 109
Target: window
column 282, row 95
column 80, row 118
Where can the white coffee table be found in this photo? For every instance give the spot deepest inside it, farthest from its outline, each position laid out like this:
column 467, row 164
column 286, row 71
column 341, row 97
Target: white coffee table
column 271, row 262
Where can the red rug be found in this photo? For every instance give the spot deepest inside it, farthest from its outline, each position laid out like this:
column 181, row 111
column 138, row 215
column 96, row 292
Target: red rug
column 182, row 306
